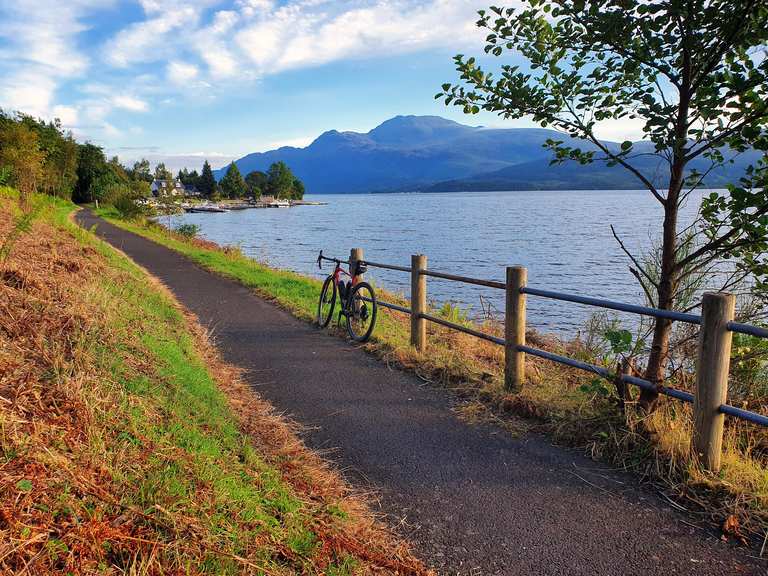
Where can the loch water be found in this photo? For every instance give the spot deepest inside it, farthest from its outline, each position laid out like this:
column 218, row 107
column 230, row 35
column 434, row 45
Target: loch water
column 563, row 237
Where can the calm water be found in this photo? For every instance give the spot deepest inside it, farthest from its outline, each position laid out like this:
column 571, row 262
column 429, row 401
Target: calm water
column 562, row 237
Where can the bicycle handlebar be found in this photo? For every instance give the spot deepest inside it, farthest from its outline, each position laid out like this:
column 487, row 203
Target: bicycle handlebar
column 320, row 259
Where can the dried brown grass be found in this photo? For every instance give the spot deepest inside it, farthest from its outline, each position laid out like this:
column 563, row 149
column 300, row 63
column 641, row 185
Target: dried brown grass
column 65, row 469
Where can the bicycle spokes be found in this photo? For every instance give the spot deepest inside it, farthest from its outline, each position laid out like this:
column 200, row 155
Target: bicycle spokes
column 326, row 303
column 361, row 312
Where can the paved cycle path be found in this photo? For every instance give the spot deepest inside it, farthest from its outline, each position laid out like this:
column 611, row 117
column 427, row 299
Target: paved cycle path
column 472, row 499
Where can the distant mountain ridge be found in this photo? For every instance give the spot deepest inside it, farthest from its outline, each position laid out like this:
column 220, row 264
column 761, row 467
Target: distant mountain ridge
column 430, row 153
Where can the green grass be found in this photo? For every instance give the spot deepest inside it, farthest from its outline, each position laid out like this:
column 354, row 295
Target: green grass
column 164, row 434
column 292, row 291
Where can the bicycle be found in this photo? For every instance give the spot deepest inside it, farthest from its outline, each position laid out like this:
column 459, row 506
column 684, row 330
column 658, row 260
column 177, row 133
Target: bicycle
column 358, row 300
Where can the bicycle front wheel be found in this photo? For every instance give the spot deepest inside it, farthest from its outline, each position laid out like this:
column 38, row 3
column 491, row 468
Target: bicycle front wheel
column 361, row 313
column 327, row 302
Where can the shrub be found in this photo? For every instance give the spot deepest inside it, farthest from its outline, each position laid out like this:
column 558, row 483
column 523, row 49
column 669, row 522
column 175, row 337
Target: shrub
column 187, row 230
column 127, row 208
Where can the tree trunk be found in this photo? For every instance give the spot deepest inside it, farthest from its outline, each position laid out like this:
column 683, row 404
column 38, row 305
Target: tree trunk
column 670, row 274
column 668, row 284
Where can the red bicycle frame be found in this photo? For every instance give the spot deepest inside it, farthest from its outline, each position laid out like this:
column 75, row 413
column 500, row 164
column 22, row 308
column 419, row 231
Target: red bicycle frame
column 338, row 271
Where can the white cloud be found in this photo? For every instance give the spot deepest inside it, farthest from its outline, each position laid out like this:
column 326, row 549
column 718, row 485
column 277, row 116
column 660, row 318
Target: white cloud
column 298, row 35
column 224, row 21
column 620, row 130
column 260, row 37
column 151, row 40
column 67, row 114
column 130, row 103
column 29, row 91
column 110, row 130
column 39, row 40
column 181, row 72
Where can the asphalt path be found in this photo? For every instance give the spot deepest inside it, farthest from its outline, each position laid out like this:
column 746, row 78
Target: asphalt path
column 471, row 498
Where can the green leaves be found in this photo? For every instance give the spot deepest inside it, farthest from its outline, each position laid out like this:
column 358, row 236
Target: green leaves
column 620, row 340
column 596, row 387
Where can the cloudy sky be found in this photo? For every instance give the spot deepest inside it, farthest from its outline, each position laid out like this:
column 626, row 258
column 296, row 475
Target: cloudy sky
column 180, row 80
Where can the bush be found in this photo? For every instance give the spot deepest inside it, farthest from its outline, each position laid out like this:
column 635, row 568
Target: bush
column 127, row 208
column 187, row 230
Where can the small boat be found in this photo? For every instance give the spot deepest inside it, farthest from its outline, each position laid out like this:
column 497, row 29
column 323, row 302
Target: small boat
column 279, row 204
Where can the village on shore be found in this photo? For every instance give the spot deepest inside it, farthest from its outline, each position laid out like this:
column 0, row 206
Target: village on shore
column 188, row 192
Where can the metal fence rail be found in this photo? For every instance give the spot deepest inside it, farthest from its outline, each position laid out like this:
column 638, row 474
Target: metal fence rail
column 716, row 323
column 611, row 305
column 748, row 329
column 460, row 328
column 465, row 279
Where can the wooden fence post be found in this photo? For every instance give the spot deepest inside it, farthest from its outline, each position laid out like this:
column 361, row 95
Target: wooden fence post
column 418, row 302
column 354, row 255
column 514, row 329
column 717, row 309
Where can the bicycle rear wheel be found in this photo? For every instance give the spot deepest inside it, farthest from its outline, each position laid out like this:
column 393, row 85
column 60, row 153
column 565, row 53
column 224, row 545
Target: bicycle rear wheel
column 361, row 314
column 326, row 303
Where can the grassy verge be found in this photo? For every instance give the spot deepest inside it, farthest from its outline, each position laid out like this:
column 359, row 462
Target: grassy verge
column 128, row 447
column 567, row 404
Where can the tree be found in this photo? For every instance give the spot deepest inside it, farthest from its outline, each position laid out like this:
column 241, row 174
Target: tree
column 141, row 171
column 298, row 189
column 233, row 185
column 280, row 180
column 207, row 184
column 20, row 153
column 255, row 183
column 59, row 156
column 688, row 69
column 162, row 173
column 91, row 169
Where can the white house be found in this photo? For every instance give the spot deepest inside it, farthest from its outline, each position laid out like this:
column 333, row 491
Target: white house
column 164, row 187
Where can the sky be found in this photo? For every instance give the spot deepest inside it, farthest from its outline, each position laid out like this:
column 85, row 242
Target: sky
column 180, row 81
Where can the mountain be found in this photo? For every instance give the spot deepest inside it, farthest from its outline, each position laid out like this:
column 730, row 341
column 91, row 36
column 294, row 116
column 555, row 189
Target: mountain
column 540, row 175
column 436, row 154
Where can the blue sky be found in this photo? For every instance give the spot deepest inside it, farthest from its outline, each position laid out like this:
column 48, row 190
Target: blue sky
column 183, row 80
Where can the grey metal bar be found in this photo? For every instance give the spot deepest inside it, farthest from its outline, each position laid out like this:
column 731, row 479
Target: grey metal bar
column 465, row 279
column 387, row 305
column 394, row 306
column 387, row 266
column 671, row 392
column 639, row 382
column 605, row 373
column 647, row 385
column 744, row 414
column 464, row 329
column 748, row 329
column 610, row 304
column 678, row 394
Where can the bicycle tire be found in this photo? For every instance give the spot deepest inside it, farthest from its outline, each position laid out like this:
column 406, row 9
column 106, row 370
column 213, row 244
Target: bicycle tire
column 322, row 321
column 370, row 307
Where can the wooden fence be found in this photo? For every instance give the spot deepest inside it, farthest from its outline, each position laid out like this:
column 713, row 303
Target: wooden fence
column 714, row 347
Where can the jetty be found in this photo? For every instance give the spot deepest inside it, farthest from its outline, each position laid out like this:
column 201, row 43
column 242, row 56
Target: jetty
column 267, row 202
